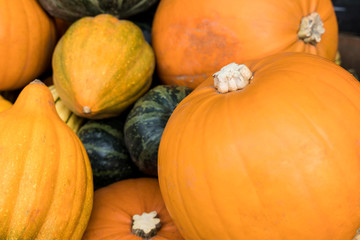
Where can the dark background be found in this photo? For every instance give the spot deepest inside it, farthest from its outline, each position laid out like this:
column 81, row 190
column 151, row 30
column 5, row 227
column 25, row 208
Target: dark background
column 348, row 15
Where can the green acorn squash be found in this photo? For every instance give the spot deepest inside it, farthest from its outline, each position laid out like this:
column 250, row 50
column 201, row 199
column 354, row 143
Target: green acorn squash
column 105, row 146
column 146, row 121
column 71, row 10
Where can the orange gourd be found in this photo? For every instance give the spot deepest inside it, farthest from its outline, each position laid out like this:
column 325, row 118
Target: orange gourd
column 130, row 209
column 276, row 157
column 27, row 40
column 193, row 39
column 101, row 65
column 45, row 174
column 4, row 104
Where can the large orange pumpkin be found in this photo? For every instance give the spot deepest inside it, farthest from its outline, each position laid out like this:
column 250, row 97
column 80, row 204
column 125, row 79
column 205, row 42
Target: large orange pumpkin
column 193, row 39
column 277, row 159
column 101, row 65
column 130, row 209
column 27, row 39
column 45, row 174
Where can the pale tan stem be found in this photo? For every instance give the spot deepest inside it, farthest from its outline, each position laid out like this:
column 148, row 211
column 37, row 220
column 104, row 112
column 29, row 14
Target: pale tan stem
column 311, row 28
column 232, row 77
column 86, row 110
column 146, row 225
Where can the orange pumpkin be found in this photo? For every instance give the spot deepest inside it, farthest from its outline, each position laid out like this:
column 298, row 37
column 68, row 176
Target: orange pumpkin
column 190, row 47
column 27, row 40
column 130, row 209
column 101, row 65
column 45, row 174
column 277, row 159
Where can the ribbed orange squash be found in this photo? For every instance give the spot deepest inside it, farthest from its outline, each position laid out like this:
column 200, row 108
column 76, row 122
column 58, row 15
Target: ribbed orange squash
column 119, row 207
column 102, row 65
column 278, row 159
column 45, row 174
column 27, row 40
column 193, row 39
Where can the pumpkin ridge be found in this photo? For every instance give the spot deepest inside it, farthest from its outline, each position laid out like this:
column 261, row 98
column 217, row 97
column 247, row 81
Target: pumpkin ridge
column 56, row 181
column 75, row 166
column 66, row 83
column 40, row 223
column 55, row 174
column 87, row 207
column 14, row 203
column 140, row 88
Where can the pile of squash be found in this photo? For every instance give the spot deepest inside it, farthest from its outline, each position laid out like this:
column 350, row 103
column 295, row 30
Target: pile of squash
column 176, row 119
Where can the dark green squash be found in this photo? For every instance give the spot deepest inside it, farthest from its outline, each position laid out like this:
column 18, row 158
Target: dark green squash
column 105, row 146
column 71, row 10
column 146, row 121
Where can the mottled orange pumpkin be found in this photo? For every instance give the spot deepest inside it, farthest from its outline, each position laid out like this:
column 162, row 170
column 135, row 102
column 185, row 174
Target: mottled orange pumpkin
column 45, row 174
column 130, row 209
column 276, row 157
column 193, row 39
column 101, row 65
column 27, row 40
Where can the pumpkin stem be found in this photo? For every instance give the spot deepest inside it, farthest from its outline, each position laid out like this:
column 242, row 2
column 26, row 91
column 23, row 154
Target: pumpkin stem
column 311, row 28
column 37, row 81
column 146, row 225
column 86, row 110
column 232, row 77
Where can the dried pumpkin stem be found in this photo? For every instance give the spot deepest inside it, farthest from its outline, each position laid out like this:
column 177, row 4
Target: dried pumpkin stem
column 37, row 81
column 146, row 225
column 311, row 28
column 232, row 77
column 86, row 110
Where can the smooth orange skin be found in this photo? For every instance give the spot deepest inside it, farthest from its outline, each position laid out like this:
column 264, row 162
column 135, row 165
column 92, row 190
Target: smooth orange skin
column 114, row 206
column 27, row 40
column 102, row 63
column 45, row 174
column 277, row 160
column 193, row 39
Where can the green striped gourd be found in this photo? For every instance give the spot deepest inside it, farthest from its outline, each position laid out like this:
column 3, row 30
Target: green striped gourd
column 146, row 121
column 105, row 146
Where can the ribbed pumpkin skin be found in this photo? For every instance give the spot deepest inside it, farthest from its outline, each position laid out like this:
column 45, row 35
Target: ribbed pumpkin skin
column 276, row 160
column 72, row 10
column 115, row 205
column 45, row 174
column 102, row 63
column 146, row 121
column 27, row 39
column 213, row 33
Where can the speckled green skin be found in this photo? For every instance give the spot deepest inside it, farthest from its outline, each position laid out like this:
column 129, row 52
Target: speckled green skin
column 146, row 122
column 105, row 146
column 72, row 10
